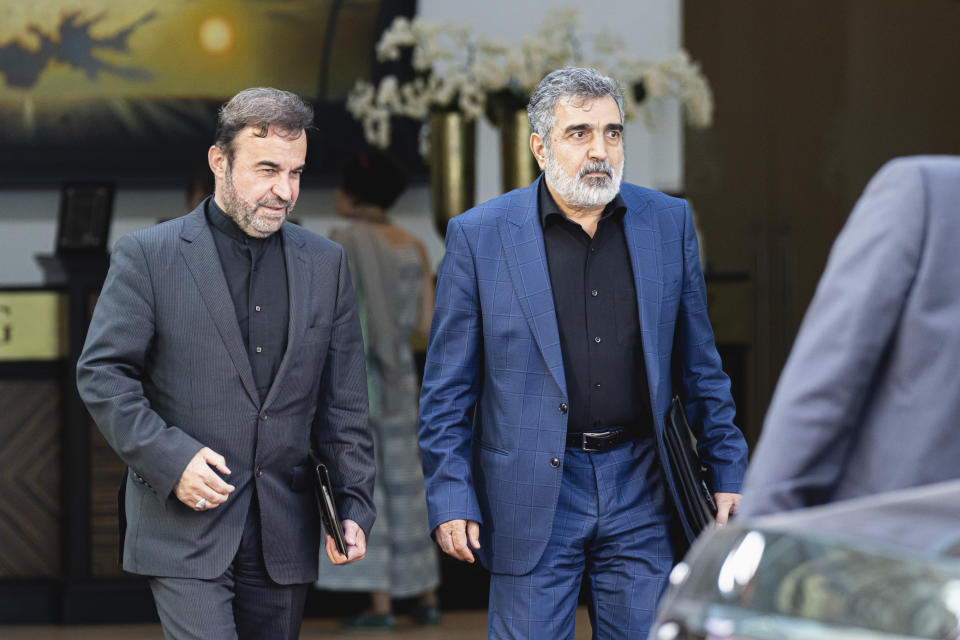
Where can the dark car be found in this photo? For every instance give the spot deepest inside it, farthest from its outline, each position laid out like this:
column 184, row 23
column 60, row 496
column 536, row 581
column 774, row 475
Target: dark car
column 881, row 567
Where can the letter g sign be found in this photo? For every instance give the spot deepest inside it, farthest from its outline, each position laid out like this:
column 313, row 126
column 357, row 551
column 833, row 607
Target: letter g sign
column 6, row 329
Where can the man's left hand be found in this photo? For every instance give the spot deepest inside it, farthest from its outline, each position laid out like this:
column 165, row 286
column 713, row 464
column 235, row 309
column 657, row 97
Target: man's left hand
column 727, row 505
column 356, row 544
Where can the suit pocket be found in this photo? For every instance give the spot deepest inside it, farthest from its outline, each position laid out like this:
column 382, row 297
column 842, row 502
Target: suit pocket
column 492, row 449
column 300, row 478
column 318, row 333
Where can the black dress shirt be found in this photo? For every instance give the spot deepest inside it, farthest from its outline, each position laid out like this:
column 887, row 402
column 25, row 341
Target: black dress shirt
column 596, row 302
column 257, row 278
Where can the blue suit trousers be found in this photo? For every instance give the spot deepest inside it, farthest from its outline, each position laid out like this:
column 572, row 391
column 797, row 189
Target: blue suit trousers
column 611, row 524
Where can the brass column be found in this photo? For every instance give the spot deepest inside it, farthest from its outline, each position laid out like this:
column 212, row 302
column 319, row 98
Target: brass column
column 452, row 166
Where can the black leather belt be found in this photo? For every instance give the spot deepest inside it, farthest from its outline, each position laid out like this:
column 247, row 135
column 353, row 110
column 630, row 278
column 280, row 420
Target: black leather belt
column 598, row 440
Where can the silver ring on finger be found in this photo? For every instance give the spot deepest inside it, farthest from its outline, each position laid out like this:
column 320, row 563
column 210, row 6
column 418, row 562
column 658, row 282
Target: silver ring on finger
column 201, row 503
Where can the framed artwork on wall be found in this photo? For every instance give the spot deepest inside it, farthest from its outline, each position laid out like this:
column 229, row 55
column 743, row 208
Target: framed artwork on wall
column 128, row 91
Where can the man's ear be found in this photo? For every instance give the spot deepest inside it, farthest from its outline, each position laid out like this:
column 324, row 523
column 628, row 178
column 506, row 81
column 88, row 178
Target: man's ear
column 539, row 150
column 218, row 161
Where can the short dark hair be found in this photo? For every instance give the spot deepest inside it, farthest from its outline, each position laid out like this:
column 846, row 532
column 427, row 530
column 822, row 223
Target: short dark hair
column 261, row 107
column 569, row 82
column 371, row 176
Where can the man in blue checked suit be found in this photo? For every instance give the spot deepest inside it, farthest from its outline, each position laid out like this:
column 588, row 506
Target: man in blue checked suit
column 559, row 310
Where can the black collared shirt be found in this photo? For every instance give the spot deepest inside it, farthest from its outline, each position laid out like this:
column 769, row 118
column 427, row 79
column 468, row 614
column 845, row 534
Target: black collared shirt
column 596, row 303
column 257, row 278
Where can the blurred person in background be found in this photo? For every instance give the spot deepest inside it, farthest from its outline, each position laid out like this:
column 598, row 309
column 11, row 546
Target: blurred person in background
column 868, row 400
column 394, row 285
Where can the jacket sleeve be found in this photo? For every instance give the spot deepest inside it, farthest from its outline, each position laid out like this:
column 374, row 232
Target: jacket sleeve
column 341, row 425
column 111, row 370
column 705, row 386
column 451, row 384
column 813, row 418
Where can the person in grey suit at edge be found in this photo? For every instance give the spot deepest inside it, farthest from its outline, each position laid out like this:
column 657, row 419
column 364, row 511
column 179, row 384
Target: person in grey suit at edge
column 867, row 402
column 224, row 345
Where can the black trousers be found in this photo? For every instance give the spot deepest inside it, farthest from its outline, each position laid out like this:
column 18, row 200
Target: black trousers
column 242, row 604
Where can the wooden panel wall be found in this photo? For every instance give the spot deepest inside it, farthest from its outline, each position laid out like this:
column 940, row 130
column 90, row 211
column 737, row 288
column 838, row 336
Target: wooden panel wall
column 813, row 96
column 30, row 423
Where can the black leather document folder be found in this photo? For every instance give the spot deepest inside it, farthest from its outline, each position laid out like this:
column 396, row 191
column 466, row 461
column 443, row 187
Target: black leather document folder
column 693, row 500
column 327, row 507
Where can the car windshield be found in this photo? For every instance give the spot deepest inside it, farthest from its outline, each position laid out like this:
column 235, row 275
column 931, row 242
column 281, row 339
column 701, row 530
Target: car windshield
column 769, row 584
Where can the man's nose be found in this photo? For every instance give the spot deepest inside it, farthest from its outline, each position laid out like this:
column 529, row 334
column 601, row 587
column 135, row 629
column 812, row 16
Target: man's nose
column 282, row 188
column 597, row 149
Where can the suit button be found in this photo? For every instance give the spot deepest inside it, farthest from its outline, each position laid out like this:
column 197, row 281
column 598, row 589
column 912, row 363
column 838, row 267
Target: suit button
column 563, row 407
column 259, row 471
column 263, row 416
column 554, row 462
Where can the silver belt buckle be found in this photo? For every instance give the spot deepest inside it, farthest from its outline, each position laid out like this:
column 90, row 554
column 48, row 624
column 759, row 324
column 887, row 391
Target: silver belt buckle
column 594, row 434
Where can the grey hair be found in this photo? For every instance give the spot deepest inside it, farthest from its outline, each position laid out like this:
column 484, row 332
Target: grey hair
column 262, row 108
column 570, row 82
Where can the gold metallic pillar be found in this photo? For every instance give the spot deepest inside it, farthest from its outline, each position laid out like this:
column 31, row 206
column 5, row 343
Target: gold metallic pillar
column 518, row 167
column 452, row 166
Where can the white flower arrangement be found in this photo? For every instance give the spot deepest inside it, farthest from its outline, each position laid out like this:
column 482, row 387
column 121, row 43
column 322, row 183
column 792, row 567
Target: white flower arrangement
column 676, row 77
column 442, row 55
column 454, row 71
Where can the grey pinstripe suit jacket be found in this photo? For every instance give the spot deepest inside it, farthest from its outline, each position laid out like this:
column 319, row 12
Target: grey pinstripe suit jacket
column 868, row 400
column 164, row 372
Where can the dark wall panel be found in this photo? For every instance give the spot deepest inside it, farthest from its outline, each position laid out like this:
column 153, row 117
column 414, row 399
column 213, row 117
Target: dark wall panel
column 812, row 97
column 30, row 423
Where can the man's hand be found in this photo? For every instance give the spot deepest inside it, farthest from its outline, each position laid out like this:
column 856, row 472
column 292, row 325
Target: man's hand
column 452, row 536
column 199, row 482
column 727, row 504
column 356, row 544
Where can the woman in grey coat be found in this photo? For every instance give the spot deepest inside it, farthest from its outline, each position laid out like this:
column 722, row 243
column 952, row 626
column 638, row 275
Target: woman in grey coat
column 394, row 286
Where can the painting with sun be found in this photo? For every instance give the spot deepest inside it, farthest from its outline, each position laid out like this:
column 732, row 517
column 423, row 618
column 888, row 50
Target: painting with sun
column 89, row 88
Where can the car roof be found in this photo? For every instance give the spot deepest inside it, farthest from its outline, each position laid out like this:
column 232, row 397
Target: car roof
column 923, row 519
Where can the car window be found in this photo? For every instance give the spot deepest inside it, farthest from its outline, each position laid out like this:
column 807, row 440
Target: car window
column 752, row 584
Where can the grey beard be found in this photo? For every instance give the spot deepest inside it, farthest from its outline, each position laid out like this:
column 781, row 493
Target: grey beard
column 584, row 192
column 244, row 213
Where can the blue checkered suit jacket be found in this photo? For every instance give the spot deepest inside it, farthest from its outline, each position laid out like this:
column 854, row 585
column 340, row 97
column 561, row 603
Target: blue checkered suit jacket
column 492, row 407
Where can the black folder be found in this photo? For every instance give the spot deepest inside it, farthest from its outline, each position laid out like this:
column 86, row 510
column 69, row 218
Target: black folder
column 685, row 474
column 327, row 507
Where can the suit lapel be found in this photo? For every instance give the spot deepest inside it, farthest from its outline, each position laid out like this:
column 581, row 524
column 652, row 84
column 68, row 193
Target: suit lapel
column 643, row 243
column 522, row 238
column 298, row 286
column 200, row 254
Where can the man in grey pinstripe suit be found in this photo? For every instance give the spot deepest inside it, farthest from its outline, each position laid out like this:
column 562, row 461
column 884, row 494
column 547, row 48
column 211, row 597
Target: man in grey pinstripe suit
column 225, row 344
